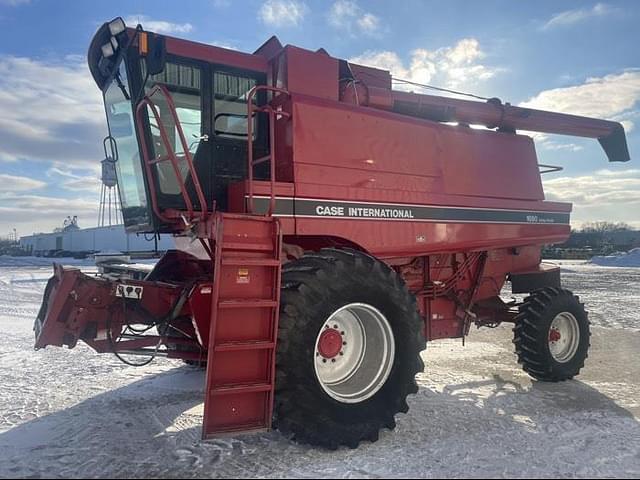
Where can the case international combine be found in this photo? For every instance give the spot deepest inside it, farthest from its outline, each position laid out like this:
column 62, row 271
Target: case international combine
column 330, row 226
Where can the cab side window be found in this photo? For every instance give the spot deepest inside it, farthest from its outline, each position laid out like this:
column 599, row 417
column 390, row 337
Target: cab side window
column 183, row 83
column 230, row 105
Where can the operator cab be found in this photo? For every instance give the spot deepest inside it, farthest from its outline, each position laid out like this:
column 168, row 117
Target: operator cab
column 140, row 76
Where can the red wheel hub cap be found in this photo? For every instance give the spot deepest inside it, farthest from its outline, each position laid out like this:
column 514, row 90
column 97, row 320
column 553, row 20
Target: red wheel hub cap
column 554, row 335
column 330, row 343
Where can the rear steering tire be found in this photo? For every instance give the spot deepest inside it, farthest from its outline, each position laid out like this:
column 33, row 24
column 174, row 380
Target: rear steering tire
column 349, row 348
column 552, row 335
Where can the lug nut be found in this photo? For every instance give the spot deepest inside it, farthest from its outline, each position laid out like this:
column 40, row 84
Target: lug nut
column 344, row 343
column 333, row 360
column 335, row 326
column 341, row 353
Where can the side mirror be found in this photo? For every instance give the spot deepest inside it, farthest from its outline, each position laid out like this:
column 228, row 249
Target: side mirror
column 156, row 56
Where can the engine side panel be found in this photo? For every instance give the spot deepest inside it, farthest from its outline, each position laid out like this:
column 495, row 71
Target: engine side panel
column 336, row 144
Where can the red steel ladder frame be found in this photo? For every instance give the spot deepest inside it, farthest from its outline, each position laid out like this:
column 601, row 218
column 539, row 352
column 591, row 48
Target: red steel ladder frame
column 240, row 387
column 243, row 333
column 274, row 115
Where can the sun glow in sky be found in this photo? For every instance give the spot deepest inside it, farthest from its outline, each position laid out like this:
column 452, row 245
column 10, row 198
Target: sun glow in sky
column 570, row 56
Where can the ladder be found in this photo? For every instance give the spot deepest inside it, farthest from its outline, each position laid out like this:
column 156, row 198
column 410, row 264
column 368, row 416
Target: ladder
column 244, row 325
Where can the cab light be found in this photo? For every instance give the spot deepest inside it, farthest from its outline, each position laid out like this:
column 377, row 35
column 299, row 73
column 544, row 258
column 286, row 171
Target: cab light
column 143, row 44
column 107, row 50
column 117, row 26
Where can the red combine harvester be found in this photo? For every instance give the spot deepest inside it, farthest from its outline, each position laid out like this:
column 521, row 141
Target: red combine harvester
column 328, row 226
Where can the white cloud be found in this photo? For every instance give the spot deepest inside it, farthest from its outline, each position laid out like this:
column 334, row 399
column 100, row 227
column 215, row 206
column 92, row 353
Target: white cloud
column 75, row 182
column 31, row 213
column 51, row 111
column 14, row 3
column 347, row 15
column 158, row 26
column 282, row 13
column 22, row 207
column 612, row 97
column 571, row 17
column 224, row 44
column 604, row 97
column 603, row 194
column 612, row 195
column 61, row 172
column 453, row 67
column 12, row 183
column 369, row 23
column 567, row 147
column 386, row 60
column 82, row 184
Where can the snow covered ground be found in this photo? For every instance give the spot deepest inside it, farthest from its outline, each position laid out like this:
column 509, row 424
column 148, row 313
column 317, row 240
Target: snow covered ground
column 620, row 259
column 73, row 413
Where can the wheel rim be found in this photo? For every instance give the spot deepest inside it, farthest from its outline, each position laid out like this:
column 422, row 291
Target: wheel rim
column 564, row 337
column 354, row 353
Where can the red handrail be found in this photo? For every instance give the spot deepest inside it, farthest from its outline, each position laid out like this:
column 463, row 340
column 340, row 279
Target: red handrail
column 273, row 113
column 171, row 156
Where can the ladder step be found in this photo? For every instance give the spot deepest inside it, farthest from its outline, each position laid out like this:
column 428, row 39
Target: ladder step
column 248, row 247
column 251, row 262
column 248, row 303
column 241, row 427
column 248, row 345
column 241, row 388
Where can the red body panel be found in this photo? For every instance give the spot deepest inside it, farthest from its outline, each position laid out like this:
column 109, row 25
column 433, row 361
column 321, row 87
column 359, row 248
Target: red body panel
column 311, row 73
column 381, row 150
column 405, row 238
column 217, row 55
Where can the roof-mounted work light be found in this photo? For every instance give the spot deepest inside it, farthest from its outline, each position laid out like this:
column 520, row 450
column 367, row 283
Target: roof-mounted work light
column 117, row 26
column 107, row 50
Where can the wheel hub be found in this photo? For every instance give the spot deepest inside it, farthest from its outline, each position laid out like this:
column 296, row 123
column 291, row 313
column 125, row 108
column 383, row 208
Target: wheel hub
column 554, row 335
column 330, row 343
column 564, row 337
column 354, row 353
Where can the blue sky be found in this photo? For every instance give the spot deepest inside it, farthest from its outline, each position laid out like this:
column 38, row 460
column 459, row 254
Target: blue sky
column 578, row 57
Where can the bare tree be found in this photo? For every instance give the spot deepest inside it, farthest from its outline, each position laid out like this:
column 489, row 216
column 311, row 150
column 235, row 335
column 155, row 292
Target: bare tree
column 604, row 227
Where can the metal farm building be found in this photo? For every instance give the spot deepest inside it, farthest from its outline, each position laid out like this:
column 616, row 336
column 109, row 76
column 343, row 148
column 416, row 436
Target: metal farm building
column 93, row 240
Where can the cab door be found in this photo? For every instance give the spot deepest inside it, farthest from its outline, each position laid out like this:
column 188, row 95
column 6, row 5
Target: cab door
column 187, row 83
column 211, row 106
column 230, row 89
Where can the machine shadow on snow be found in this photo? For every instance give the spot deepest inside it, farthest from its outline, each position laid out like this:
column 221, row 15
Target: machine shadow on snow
column 131, row 430
column 566, row 397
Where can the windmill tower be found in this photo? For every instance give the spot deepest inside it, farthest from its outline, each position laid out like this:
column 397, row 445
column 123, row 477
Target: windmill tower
column 109, row 212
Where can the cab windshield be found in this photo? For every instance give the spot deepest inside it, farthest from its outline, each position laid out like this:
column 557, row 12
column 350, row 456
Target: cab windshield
column 128, row 165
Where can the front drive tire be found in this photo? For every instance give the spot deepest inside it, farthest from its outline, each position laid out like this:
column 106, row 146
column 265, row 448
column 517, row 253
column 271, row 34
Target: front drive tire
column 337, row 295
column 551, row 335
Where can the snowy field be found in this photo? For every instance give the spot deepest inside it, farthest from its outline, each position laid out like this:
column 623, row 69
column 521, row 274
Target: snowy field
column 73, row 413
